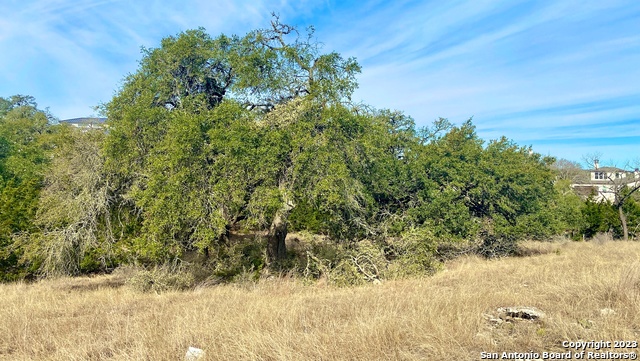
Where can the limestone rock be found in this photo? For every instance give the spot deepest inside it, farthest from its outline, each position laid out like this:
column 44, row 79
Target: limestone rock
column 520, row 313
column 607, row 312
column 194, row 354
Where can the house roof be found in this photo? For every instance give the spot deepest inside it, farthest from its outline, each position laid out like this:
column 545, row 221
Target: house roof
column 609, row 170
column 84, row 120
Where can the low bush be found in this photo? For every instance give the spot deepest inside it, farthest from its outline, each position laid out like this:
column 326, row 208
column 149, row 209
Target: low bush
column 368, row 261
column 167, row 277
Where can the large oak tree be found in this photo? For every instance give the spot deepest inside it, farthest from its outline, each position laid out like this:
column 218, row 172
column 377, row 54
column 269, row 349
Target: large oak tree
column 196, row 141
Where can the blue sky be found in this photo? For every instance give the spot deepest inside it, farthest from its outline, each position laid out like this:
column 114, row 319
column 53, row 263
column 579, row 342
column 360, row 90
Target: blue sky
column 562, row 76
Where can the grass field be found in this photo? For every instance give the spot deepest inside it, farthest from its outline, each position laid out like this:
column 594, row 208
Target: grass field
column 588, row 291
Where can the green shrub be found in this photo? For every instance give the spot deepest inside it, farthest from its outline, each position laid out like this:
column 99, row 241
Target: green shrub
column 237, row 259
column 600, row 217
column 413, row 254
column 365, row 261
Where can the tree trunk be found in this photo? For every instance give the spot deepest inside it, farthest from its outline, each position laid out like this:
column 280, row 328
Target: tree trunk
column 623, row 221
column 276, row 246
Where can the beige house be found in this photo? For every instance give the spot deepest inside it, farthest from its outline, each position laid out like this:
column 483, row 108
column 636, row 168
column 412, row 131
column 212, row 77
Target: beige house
column 603, row 182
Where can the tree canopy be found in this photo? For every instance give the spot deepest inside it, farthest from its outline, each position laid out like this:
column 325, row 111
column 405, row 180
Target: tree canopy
column 25, row 140
column 212, row 137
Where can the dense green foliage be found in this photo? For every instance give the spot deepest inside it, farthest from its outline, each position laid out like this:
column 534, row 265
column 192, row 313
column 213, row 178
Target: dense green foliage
column 217, row 148
column 25, row 139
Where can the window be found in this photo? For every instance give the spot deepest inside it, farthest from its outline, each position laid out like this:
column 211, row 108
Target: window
column 600, row 175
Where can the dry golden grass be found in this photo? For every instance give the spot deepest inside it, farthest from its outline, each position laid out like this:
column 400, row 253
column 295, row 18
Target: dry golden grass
column 436, row 318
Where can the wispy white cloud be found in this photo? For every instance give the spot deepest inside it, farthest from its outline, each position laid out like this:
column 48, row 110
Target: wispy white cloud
column 510, row 65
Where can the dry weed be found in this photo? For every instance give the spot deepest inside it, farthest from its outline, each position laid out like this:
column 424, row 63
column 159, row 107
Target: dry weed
column 434, row 318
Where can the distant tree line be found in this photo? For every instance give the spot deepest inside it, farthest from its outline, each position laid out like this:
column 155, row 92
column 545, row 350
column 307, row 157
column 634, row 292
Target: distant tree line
column 257, row 135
